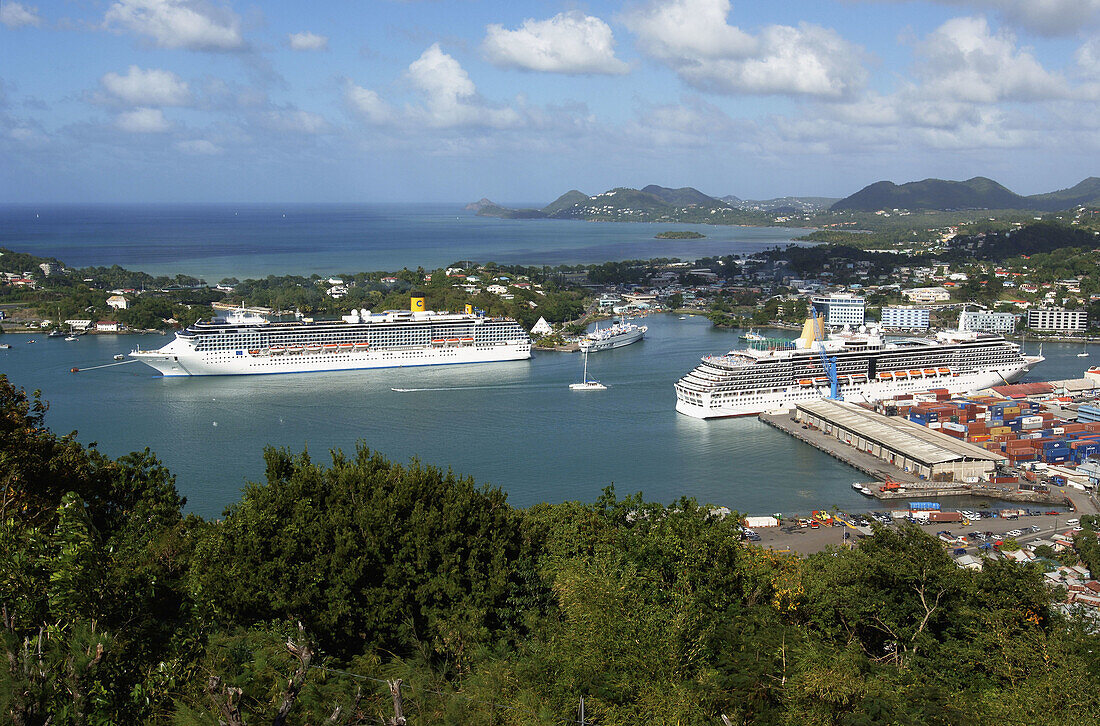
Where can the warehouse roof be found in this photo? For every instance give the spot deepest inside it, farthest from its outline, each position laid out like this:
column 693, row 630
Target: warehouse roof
column 900, row 435
column 1023, row 390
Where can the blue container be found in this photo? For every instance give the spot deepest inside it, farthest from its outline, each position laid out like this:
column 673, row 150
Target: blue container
column 924, row 506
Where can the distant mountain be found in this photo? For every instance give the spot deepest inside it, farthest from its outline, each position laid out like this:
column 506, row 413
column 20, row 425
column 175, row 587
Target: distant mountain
column 783, row 205
column 570, row 199
column 1086, row 193
column 683, row 197
column 622, row 202
column 481, row 204
column 976, row 193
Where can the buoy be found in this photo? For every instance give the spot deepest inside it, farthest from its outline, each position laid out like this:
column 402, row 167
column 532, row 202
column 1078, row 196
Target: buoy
column 215, row 423
column 74, row 370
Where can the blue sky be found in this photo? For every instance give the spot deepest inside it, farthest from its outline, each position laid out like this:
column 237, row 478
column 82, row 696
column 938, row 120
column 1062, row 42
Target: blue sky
column 381, row 101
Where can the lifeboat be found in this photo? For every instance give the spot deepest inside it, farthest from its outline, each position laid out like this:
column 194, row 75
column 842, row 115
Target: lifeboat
column 346, row 346
column 467, row 341
column 914, row 374
column 820, row 381
column 805, row 382
column 276, row 350
column 360, row 346
column 929, row 371
column 452, row 341
column 438, row 341
column 859, row 376
column 313, row 349
column 254, row 352
column 885, row 376
column 330, row 347
column 294, row 349
column 901, row 374
column 943, row 371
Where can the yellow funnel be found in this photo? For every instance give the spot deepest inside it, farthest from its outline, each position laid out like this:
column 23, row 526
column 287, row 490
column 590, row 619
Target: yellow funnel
column 469, row 309
column 417, row 304
column 809, row 334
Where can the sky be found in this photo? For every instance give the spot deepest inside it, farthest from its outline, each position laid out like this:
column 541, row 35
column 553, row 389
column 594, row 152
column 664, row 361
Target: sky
column 105, row 101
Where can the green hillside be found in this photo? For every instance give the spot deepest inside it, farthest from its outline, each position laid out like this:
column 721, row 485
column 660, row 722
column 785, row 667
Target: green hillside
column 976, row 193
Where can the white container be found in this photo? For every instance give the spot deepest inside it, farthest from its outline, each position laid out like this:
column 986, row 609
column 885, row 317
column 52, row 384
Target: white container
column 757, row 522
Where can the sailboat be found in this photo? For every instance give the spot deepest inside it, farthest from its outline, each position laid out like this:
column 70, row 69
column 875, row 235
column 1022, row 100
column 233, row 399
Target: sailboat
column 1084, row 350
column 585, row 384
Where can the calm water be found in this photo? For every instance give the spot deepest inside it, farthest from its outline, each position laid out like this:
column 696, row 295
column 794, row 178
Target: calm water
column 259, row 240
column 516, row 425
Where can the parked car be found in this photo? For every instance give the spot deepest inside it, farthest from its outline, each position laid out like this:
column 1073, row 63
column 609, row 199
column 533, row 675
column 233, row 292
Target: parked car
column 1014, row 533
column 1034, row 528
column 1072, row 522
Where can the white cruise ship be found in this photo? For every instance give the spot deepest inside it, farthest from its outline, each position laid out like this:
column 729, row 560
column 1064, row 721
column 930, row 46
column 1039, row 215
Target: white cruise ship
column 615, row 336
column 868, row 368
column 241, row 343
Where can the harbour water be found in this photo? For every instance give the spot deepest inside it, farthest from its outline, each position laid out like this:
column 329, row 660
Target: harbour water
column 514, row 425
column 217, row 241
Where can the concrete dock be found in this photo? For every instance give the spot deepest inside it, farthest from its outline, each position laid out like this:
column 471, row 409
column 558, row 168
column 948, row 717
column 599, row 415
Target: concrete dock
column 915, row 487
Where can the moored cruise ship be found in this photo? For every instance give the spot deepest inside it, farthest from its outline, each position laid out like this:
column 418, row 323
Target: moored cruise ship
column 868, row 368
column 614, row 336
column 241, row 343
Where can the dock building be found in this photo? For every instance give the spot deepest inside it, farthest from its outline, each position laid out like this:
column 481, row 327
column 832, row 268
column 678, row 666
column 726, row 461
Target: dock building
column 840, row 309
column 1057, row 319
column 987, row 322
column 905, row 444
column 906, row 318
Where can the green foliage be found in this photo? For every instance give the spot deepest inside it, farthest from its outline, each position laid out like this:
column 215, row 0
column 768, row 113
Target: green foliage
column 368, row 554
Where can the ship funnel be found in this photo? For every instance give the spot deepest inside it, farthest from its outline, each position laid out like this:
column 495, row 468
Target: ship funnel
column 809, row 334
column 469, row 309
column 417, row 304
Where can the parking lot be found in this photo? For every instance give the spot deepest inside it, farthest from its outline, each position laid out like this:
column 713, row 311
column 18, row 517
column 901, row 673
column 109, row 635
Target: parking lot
column 804, row 540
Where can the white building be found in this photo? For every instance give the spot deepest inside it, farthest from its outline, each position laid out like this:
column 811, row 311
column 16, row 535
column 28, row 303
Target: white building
column 1057, row 319
column 921, row 295
column 496, row 289
column 840, row 309
column 107, row 326
column 906, row 318
column 542, row 327
column 982, row 321
column 118, row 302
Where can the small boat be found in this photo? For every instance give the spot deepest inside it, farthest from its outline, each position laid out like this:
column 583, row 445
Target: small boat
column 683, row 317
column 71, row 338
column 32, row 340
column 586, row 384
column 55, row 334
column 4, row 346
column 119, row 356
column 1084, row 351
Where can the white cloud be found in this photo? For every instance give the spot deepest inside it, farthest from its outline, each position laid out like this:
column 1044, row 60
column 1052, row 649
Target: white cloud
column 1044, row 17
column 964, row 61
column 367, row 104
column 307, row 41
column 450, row 97
column 143, row 121
column 572, row 43
column 152, row 87
column 198, row 147
column 694, row 38
column 295, row 121
column 16, row 15
column 191, row 24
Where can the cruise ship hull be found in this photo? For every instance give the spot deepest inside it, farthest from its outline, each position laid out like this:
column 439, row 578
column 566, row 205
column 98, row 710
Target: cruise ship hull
column 709, row 406
column 184, row 362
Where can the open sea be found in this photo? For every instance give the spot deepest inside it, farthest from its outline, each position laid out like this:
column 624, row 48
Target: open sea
column 514, row 425
column 217, row 241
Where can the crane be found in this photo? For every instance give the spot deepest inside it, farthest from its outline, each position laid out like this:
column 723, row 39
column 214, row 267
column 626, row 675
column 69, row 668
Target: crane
column 827, row 363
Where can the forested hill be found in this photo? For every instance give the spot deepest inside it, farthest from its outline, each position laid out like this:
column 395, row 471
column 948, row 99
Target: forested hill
column 976, row 193
column 331, row 577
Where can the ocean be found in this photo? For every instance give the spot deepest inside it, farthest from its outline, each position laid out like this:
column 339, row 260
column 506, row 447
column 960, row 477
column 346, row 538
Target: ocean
column 514, row 425
column 218, row 241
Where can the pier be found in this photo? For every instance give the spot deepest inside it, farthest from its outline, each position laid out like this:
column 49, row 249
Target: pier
column 882, row 471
